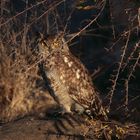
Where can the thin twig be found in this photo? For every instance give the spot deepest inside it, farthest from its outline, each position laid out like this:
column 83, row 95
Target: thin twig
column 27, row 9
column 111, row 93
column 91, row 22
column 131, row 55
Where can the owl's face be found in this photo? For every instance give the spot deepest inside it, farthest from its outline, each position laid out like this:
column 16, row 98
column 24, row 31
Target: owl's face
column 51, row 44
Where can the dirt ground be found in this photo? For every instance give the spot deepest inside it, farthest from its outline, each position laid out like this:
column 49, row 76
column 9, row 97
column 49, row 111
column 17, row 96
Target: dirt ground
column 67, row 127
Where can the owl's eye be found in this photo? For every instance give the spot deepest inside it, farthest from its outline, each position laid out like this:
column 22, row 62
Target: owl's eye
column 55, row 44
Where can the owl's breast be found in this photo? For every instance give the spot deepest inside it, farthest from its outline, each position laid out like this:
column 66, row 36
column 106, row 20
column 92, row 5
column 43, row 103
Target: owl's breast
column 66, row 69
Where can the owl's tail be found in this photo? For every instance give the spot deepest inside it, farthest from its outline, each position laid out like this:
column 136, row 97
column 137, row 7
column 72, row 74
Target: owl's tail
column 97, row 110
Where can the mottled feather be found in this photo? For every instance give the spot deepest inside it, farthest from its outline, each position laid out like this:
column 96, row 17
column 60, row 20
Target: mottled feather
column 68, row 77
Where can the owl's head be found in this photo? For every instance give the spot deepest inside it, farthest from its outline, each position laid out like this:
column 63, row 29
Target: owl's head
column 52, row 43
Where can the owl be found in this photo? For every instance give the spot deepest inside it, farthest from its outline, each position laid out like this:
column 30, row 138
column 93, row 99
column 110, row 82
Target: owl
column 67, row 78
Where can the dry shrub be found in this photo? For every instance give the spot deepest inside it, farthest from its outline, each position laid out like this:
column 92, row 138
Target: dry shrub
column 19, row 94
column 16, row 85
column 109, row 130
column 19, row 91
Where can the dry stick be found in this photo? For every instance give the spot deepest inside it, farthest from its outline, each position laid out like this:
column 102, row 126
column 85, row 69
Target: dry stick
column 131, row 55
column 68, row 19
column 92, row 21
column 31, row 24
column 131, row 101
column 51, row 8
column 35, row 21
column 139, row 17
column 97, row 28
column 111, row 93
column 29, row 8
column 33, row 65
column 97, row 35
column 121, row 37
column 129, row 78
column 126, row 95
column 132, row 29
column 112, row 25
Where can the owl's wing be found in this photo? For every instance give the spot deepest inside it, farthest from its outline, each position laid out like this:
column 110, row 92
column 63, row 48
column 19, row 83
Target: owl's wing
column 77, row 80
column 82, row 90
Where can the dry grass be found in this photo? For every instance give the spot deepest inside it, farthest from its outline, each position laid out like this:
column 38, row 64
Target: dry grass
column 16, row 84
column 19, row 93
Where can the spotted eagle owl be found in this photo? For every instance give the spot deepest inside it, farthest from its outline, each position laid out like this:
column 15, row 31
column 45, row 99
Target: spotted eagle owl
column 68, row 78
